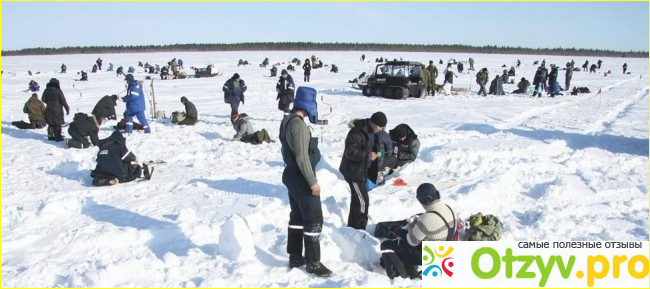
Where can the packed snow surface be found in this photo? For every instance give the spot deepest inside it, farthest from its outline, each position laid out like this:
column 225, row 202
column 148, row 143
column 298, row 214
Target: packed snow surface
column 564, row 168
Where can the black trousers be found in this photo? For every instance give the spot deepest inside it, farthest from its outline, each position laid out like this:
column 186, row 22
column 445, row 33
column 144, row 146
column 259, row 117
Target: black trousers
column 306, row 217
column 409, row 255
column 358, row 217
column 81, row 142
column 54, row 132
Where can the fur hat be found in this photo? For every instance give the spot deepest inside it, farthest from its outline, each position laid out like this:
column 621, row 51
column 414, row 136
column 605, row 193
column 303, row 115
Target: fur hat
column 427, row 193
column 379, row 118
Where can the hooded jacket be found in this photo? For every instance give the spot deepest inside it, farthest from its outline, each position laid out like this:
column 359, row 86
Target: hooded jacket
column 55, row 100
column 111, row 156
column 134, row 99
column 407, row 150
column 35, row 109
column 105, row 108
column 358, row 145
column 85, row 126
column 242, row 126
column 287, row 89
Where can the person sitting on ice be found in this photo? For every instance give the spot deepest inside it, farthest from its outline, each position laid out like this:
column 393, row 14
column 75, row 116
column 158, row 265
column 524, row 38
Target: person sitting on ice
column 402, row 254
column 110, row 67
column 131, row 69
column 33, row 86
column 119, row 71
column 35, row 110
column 191, row 116
column 84, row 76
column 407, row 144
column 115, row 162
column 81, row 128
column 522, row 86
column 245, row 131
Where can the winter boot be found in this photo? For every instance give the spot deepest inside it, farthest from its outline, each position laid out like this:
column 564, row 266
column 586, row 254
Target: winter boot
column 296, row 261
column 318, row 269
column 393, row 265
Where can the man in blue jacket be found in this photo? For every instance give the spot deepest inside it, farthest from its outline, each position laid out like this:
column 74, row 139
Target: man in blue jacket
column 135, row 105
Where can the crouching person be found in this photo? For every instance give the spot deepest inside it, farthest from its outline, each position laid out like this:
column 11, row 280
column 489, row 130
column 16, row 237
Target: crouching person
column 191, row 116
column 115, row 163
column 408, row 147
column 245, row 131
column 82, row 128
column 402, row 255
column 35, row 110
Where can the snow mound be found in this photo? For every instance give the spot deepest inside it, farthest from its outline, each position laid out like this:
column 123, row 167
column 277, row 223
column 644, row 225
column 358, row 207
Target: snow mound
column 236, row 240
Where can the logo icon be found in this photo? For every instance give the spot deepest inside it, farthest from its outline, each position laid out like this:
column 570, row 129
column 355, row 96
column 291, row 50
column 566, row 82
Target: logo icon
column 429, row 258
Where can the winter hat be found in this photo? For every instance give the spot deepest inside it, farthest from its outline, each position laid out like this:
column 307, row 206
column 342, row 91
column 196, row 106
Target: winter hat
column 183, row 99
column 114, row 97
column 427, row 193
column 235, row 76
column 400, row 131
column 233, row 116
column 129, row 78
column 284, row 71
column 379, row 118
column 306, row 100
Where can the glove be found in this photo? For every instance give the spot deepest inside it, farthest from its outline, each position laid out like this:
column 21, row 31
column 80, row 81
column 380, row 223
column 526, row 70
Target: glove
column 242, row 101
column 67, row 112
column 379, row 154
column 402, row 233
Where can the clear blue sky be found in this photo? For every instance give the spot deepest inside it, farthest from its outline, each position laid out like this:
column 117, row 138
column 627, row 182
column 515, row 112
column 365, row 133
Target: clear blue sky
column 598, row 25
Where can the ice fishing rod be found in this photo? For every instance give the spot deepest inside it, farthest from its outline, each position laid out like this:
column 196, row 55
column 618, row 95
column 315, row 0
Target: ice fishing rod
column 78, row 99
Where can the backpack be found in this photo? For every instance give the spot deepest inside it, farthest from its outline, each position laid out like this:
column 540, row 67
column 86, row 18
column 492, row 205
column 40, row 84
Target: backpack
column 483, row 228
column 177, row 116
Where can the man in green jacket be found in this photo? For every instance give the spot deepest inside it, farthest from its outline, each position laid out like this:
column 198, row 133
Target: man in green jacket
column 433, row 73
column 482, row 79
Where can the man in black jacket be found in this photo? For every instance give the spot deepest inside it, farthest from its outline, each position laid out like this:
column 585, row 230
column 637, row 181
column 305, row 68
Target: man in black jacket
column 233, row 92
column 105, row 108
column 408, row 146
column 115, row 163
column 285, row 88
column 191, row 116
column 82, row 128
column 357, row 158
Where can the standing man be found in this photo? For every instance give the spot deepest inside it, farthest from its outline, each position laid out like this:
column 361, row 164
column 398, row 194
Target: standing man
column 285, row 88
column 135, row 105
column 432, row 70
column 481, row 80
column 233, row 92
column 357, row 158
column 568, row 75
column 300, row 154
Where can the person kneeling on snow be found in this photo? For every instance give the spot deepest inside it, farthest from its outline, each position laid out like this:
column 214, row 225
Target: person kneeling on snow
column 115, row 163
column 402, row 255
column 35, row 110
column 245, row 131
column 82, row 128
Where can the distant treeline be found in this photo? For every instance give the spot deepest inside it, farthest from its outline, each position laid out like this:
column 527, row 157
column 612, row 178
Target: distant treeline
column 315, row 46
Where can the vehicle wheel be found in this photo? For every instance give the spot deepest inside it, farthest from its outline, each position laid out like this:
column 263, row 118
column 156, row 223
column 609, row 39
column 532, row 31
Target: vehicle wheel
column 388, row 93
column 401, row 92
column 378, row 91
column 422, row 92
column 367, row 90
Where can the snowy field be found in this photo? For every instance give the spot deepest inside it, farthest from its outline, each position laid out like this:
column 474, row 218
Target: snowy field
column 569, row 168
